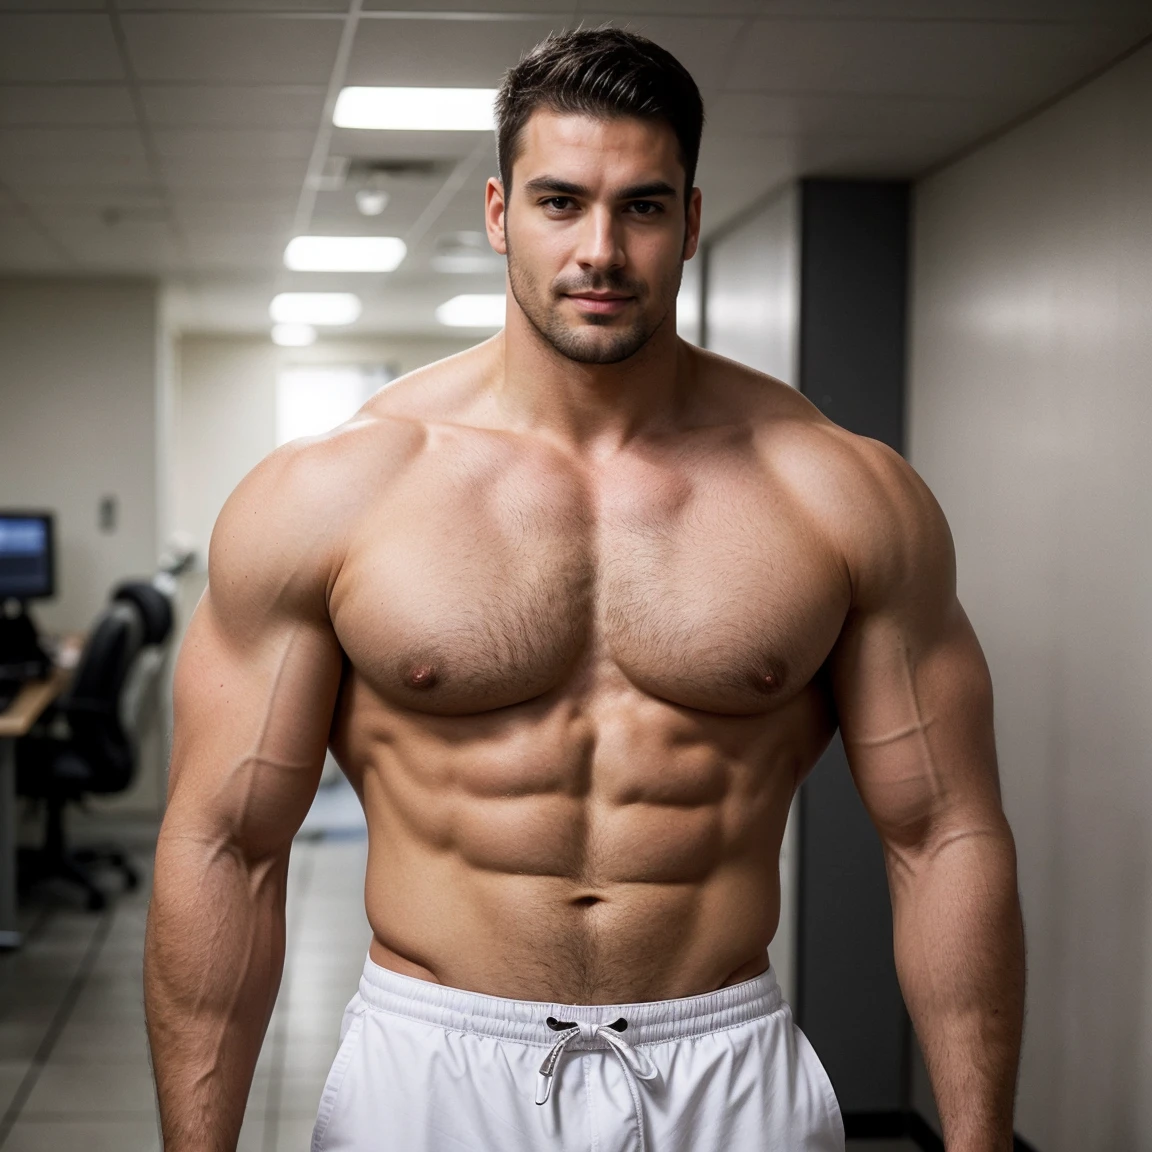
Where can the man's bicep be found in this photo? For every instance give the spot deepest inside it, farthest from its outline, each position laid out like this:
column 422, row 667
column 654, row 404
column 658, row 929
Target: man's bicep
column 252, row 717
column 259, row 668
column 915, row 705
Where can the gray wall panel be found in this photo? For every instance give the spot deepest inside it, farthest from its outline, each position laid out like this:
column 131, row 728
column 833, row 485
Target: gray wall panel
column 852, row 323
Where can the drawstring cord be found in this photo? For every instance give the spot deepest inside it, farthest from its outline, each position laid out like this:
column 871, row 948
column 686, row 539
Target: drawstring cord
column 634, row 1062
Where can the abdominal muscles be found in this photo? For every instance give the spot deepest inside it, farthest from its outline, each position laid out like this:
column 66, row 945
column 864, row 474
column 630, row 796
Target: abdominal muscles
column 574, row 849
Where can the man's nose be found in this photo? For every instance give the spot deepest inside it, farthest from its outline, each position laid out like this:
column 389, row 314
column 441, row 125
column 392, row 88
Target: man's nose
column 600, row 248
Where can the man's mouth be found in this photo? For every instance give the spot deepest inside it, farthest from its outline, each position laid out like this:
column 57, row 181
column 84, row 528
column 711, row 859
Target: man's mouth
column 603, row 303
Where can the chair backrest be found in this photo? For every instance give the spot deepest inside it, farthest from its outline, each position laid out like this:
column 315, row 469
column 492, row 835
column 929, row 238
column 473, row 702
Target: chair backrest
column 155, row 608
column 91, row 703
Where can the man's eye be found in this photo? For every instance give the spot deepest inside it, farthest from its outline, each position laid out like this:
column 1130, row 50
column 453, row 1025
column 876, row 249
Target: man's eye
column 558, row 203
column 646, row 207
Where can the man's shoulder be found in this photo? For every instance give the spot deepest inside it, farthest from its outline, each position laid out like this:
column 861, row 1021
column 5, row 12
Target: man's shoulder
column 864, row 498
column 793, row 436
column 877, row 514
column 285, row 529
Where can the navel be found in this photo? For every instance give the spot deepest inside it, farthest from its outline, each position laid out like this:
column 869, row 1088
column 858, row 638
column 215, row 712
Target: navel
column 422, row 676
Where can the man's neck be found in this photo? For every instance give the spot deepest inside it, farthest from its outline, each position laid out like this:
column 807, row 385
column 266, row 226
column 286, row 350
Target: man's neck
column 593, row 408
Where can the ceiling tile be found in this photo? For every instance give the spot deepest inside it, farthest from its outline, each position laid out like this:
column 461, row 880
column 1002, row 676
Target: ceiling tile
column 1018, row 61
column 215, row 248
column 251, row 216
column 733, row 173
column 132, row 246
column 53, row 159
column 232, row 48
column 335, row 213
column 58, row 6
column 238, row 143
column 47, row 104
column 23, row 249
column 645, row 8
column 39, row 48
column 79, row 199
column 752, row 115
column 274, row 202
column 230, row 6
column 885, row 157
column 70, row 144
column 225, row 177
column 462, row 53
column 231, row 106
column 510, row 7
column 704, row 45
column 993, row 10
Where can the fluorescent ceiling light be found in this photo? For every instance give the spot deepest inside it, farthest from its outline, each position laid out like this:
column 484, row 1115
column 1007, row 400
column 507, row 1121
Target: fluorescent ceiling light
column 416, row 109
column 293, row 335
column 344, row 253
column 475, row 310
column 314, row 308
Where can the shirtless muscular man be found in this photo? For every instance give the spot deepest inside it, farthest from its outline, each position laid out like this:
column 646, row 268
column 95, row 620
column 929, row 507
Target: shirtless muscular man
column 577, row 610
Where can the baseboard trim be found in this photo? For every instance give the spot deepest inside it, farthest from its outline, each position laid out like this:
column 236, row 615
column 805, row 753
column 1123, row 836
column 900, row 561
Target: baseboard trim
column 907, row 1125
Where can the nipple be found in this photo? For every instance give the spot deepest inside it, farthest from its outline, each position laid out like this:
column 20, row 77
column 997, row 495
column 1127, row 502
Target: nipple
column 765, row 682
column 422, row 676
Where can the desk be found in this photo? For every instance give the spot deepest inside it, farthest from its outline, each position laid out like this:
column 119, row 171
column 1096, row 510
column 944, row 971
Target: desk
column 15, row 721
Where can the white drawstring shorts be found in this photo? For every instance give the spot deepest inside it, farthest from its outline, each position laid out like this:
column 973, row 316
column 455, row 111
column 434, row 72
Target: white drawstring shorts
column 425, row 1068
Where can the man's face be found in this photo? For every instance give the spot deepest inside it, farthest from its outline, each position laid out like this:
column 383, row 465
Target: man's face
column 595, row 231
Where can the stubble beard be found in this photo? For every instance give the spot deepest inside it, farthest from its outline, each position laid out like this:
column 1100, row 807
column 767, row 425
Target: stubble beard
column 543, row 312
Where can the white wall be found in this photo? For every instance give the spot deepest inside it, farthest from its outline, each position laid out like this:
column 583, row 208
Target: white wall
column 752, row 305
column 79, row 383
column 223, row 425
column 1031, row 418
column 690, row 302
column 83, row 404
column 752, row 314
column 224, row 420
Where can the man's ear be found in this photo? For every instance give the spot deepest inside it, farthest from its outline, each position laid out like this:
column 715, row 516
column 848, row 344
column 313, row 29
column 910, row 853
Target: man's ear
column 692, row 225
column 494, row 215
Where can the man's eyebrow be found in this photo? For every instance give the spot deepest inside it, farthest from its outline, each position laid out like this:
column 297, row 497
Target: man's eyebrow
column 558, row 187
column 647, row 191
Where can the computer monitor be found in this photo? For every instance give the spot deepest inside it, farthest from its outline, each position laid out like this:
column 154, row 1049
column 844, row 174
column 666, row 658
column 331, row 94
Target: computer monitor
column 27, row 556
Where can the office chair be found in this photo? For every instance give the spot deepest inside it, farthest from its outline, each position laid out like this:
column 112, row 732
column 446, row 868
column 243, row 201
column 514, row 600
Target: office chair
column 96, row 756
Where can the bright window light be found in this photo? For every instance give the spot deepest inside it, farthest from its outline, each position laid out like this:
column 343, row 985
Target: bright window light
column 293, row 335
column 476, row 310
column 416, row 109
column 315, row 308
column 312, row 400
column 344, row 253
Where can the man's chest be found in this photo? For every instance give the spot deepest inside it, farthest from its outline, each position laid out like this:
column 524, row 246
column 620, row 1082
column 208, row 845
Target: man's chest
column 702, row 584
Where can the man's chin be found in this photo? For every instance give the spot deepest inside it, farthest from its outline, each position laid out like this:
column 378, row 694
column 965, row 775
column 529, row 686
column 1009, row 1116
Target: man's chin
column 605, row 348
column 596, row 342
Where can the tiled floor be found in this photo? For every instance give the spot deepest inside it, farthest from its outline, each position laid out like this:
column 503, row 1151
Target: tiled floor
column 74, row 1070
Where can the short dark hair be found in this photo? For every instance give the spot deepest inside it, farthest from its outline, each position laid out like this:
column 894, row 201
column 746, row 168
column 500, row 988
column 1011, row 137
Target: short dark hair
column 602, row 72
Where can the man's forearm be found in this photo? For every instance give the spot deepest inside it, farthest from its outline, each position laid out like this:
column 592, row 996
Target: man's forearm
column 213, row 960
column 960, row 957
